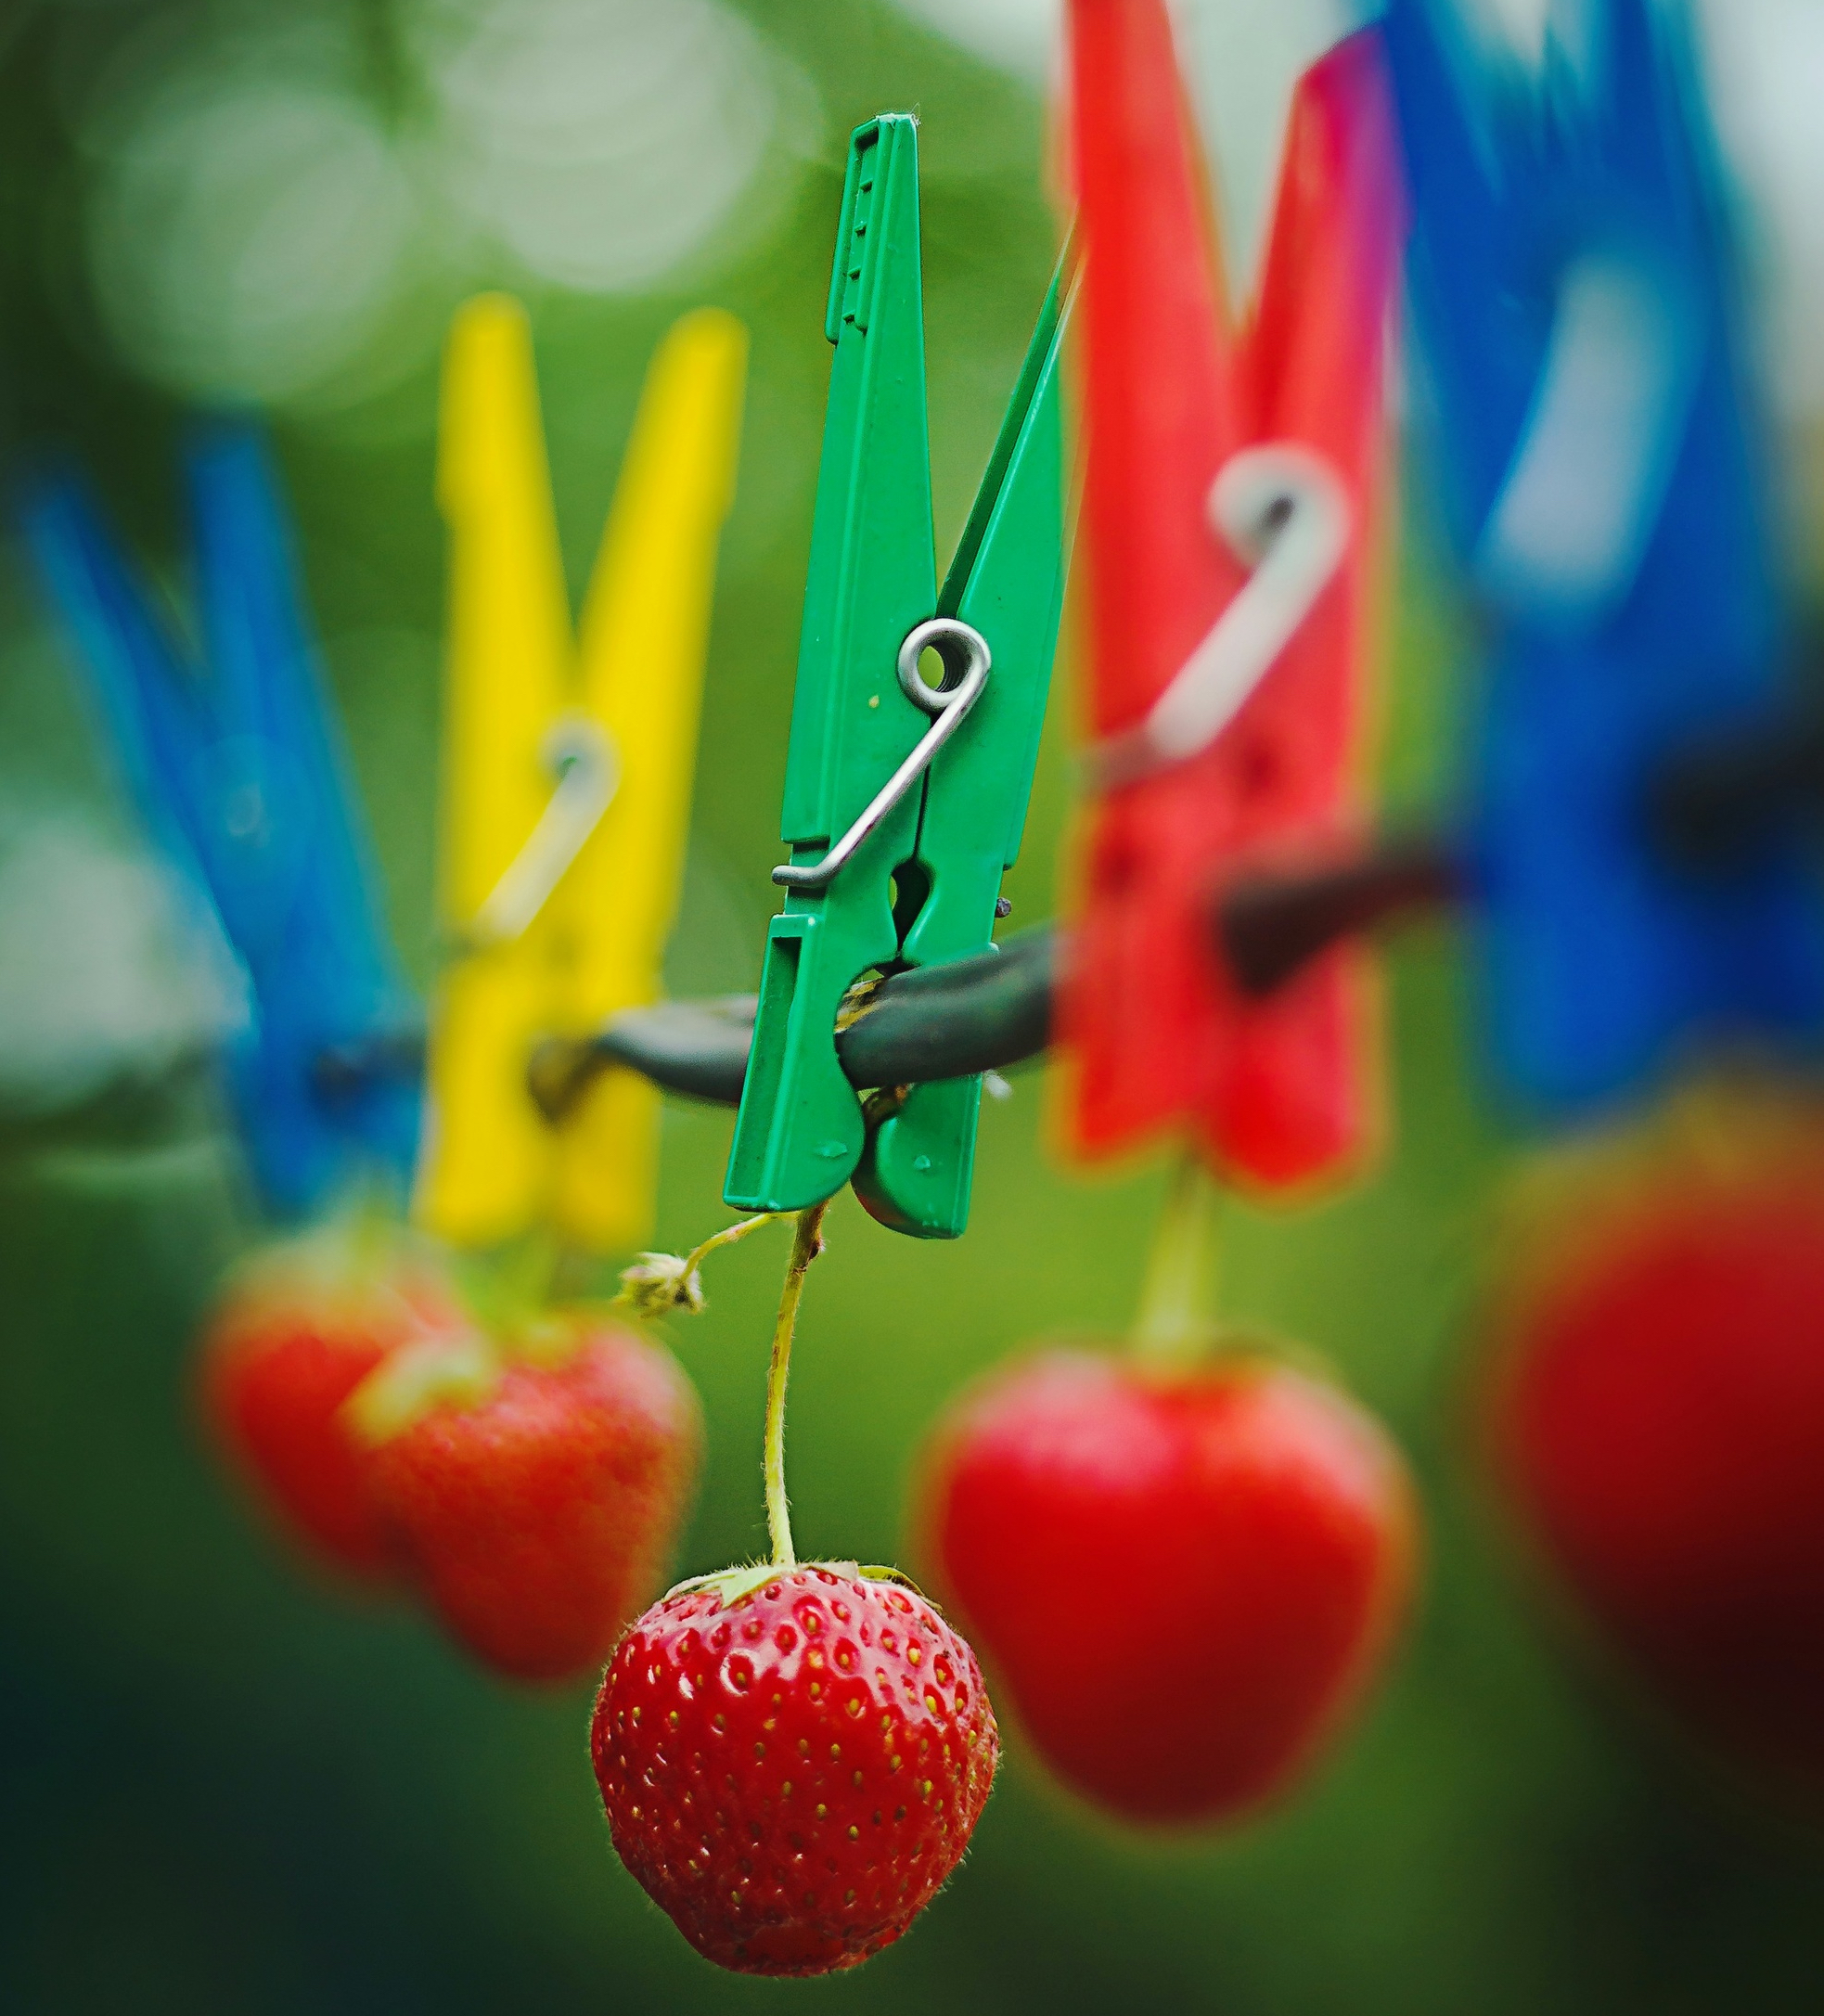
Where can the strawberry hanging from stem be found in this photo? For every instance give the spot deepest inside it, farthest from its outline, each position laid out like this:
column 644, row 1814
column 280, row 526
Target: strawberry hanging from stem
column 793, row 1757
column 1258, row 1520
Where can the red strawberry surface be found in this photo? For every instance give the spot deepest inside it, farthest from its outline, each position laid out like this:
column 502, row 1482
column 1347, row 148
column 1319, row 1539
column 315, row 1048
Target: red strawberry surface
column 793, row 1773
column 294, row 1335
column 536, row 1513
column 1658, row 1421
column 1182, row 1580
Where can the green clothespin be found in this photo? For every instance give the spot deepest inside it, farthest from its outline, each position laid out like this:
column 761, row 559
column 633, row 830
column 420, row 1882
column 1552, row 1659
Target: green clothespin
column 904, row 800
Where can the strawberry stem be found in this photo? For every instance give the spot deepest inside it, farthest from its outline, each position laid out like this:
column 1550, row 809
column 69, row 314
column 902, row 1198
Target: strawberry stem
column 373, row 1228
column 570, row 1276
column 806, row 1244
column 729, row 1235
column 506, row 1287
column 1172, row 1326
column 659, row 1283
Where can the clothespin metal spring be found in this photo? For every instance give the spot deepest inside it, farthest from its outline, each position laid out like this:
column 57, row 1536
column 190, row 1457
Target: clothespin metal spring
column 947, row 705
column 1284, row 509
column 581, row 756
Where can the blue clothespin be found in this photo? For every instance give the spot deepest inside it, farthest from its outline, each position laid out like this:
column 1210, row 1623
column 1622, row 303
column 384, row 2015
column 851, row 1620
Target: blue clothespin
column 1573, row 289
column 236, row 771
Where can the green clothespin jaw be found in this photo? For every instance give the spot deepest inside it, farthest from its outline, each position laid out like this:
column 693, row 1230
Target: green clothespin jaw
column 904, row 801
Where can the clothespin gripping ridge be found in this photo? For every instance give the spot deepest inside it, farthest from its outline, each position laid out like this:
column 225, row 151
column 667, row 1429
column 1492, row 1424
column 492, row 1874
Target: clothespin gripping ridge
column 916, row 795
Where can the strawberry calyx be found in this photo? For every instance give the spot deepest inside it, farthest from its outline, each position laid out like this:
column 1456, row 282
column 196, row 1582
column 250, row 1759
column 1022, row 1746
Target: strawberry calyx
column 1237, row 1348
column 461, row 1370
column 1713, row 1139
column 462, row 1367
column 735, row 1586
column 1174, row 1334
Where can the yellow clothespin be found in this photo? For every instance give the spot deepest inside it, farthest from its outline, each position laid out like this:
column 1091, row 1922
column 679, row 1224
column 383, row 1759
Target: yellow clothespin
column 567, row 772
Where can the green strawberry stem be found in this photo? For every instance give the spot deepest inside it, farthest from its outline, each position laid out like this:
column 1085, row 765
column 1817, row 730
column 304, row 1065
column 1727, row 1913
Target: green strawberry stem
column 806, row 1244
column 1172, row 1327
column 656, row 1284
column 573, row 1274
column 373, row 1233
column 731, row 1235
column 505, row 1288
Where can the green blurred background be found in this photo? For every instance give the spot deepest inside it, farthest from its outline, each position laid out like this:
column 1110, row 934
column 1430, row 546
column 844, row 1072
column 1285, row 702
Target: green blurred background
column 226, row 1789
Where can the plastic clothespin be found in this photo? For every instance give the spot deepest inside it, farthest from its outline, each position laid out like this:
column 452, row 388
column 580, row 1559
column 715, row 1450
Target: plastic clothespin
column 903, row 803
column 1573, row 290
column 1231, row 500
column 568, row 766
column 237, row 770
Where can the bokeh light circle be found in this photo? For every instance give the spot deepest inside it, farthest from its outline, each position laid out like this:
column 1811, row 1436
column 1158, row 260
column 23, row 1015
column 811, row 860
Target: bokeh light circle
column 600, row 141
column 245, row 240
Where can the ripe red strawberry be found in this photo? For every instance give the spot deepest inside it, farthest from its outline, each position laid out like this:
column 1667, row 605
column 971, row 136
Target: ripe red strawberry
column 296, row 1332
column 1182, row 1579
column 792, row 1762
column 536, row 1499
column 1658, row 1411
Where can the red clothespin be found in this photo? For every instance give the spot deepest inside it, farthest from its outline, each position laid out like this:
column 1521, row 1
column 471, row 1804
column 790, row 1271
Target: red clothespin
column 1232, row 479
